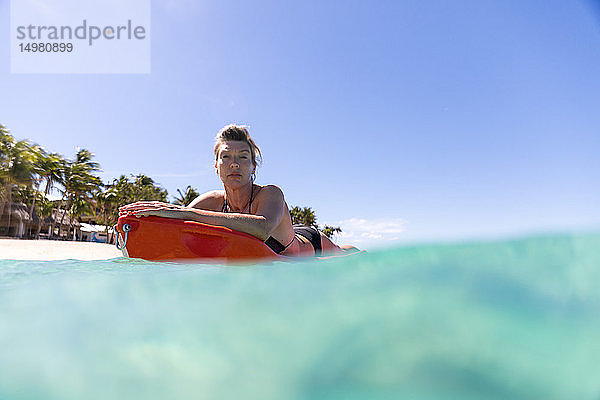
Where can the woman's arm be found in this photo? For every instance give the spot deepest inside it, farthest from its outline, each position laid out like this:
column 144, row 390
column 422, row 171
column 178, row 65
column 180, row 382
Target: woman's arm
column 269, row 212
column 254, row 225
column 146, row 205
column 212, row 201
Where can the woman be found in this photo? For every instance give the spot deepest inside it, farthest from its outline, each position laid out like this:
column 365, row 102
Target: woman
column 244, row 206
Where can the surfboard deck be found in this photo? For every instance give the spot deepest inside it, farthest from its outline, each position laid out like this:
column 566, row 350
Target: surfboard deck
column 166, row 239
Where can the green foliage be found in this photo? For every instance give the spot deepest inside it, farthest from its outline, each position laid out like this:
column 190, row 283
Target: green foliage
column 125, row 190
column 24, row 194
column 17, row 159
column 5, row 141
column 45, row 207
column 139, row 188
column 17, row 167
column 331, row 231
column 185, row 198
column 50, row 168
column 78, row 176
column 303, row 216
column 306, row 216
column 25, row 166
column 79, row 186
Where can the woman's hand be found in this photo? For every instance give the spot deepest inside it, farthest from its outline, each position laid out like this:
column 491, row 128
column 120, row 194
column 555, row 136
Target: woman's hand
column 144, row 208
column 177, row 213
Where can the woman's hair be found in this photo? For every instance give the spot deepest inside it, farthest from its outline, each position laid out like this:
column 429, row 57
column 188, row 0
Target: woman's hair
column 238, row 133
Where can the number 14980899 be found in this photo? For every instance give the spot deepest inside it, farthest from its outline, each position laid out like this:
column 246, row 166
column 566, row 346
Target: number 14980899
column 46, row 47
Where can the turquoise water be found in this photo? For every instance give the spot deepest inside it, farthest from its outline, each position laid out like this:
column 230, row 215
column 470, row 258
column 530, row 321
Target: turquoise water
column 505, row 320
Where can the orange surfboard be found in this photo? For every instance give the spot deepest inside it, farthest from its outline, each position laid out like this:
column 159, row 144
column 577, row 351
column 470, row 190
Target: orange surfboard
column 166, row 239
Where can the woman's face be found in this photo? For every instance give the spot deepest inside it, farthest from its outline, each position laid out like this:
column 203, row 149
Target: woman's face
column 234, row 163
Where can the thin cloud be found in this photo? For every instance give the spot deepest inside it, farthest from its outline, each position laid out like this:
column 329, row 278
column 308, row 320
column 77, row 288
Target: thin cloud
column 360, row 231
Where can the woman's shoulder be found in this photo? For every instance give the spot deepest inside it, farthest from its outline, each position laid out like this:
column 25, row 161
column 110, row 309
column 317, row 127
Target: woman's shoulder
column 270, row 191
column 209, row 201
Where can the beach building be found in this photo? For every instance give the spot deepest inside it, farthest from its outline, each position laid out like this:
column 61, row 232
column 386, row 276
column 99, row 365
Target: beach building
column 21, row 221
column 61, row 222
column 16, row 219
column 95, row 233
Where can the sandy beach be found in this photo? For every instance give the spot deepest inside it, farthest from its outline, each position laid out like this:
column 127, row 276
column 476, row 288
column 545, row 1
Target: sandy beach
column 14, row 249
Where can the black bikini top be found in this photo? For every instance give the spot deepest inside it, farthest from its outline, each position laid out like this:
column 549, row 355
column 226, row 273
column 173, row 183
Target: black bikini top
column 273, row 243
column 226, row 206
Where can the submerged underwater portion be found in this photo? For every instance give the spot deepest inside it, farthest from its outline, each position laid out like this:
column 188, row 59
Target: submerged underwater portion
column 501, row 320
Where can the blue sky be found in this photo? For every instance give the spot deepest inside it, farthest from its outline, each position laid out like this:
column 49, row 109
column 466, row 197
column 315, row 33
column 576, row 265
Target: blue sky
column 398, row 120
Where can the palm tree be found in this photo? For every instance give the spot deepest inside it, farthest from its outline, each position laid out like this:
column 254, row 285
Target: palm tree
column 45, row 209
column 330, row 231
column 186, row 198
column 51, row 167
column 303, row 216
column 79, row 182
column 124, row 191
column 306, row 216
column 107, row 208
column 6, row 141
column 144, row 188
column 17, row 160
column 37, row 153
column 79, row 205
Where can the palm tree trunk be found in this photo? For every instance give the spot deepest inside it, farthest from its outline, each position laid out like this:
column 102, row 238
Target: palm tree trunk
column 28, row 228
column 70, row 226
column 9, row 201
column 39, row 227
column 69, row 205
column 61, row 219
column 46, row 191
column 4, row 201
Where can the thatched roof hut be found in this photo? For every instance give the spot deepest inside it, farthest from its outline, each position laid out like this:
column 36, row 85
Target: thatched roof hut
column 20, row 221
column 19, row 218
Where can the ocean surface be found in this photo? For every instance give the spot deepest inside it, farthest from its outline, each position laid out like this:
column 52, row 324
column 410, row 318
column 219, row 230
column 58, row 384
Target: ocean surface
column 516, row 319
